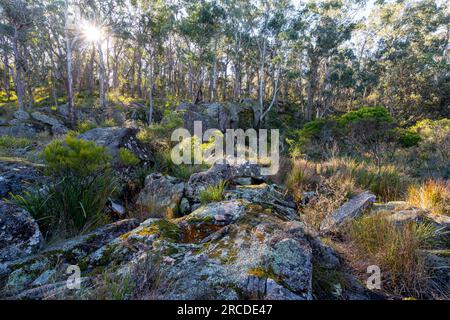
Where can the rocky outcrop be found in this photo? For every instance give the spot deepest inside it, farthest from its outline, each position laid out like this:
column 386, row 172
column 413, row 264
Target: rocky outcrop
column 220, row 116
column 221, row 172
column 160, row 196
column 350, row 210
column 114, row 138
column 50, row 265
column 56, row 126
column 226, row 250
column 19, row 233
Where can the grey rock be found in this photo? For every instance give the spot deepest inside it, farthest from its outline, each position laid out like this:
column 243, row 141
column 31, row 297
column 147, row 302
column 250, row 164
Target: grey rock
column 350, row 210
column 21, row 115
column 221, row 172
column 185, row 207
column 19, row 233
column 44, row 278
column 161, row 195
column 114, row 138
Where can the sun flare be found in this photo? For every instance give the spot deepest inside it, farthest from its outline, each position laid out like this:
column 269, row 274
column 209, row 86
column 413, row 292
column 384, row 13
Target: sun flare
column 92, row 33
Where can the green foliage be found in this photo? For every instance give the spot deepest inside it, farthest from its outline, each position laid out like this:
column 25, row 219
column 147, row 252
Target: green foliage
column 70, row 205
column 163, row 130
column 127, row 158
column 366, row 114
column 408, row 138
column 212, row 193
column 10, row 142
column 364, row 127
column 85, row 126
column 75, row 157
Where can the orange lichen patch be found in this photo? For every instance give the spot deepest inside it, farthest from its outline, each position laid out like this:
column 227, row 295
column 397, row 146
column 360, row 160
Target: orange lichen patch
column 196, row 232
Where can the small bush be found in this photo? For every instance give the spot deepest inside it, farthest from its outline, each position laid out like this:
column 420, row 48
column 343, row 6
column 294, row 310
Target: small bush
column 10, row 142
column 408, row 138
column 75, row 157
column 212, row 193
column 396, row 250
column 85, row 126
column 127, row 158
column 433, row 195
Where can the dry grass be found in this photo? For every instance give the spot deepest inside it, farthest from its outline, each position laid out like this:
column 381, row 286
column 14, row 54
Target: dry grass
column 433, row 195
column 385, row 181
column 396, row 250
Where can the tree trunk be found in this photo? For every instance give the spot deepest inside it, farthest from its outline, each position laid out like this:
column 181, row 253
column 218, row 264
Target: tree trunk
column 102, row 76
column 70, row 104
column 20, row 90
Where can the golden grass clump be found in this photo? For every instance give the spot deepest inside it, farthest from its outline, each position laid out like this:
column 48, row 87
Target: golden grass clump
column 433, row 195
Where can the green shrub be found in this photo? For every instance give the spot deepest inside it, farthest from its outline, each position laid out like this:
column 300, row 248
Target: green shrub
column 10, row 142
column 351, row 132
column 85, row 126
column 75, row 157
column 127, row 158
column 212, row 193
column 371, row 114
column 408, row 138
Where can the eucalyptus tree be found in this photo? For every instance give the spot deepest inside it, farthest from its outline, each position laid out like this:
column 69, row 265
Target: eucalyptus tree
column 19, row 17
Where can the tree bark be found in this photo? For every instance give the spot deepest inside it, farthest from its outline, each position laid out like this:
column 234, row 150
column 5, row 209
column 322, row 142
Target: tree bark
column 70, row 104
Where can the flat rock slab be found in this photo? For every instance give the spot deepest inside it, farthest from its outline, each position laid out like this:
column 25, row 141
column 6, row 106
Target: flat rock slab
column 350, row 210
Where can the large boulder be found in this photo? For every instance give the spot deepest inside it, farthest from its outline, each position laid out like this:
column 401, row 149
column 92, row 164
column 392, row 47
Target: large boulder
column 219, row 116
column 225, row 250
column 115, row 138
column 349, row 210
column 160, row 196
column 269, row 196
column 50, row 265
column 56, row 126
column 19, row 233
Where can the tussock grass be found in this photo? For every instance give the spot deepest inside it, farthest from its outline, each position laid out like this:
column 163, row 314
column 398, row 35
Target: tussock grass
column 396, row 250
column 10, row 142
column 385, row 181
column 213, row 193
column 433, row 195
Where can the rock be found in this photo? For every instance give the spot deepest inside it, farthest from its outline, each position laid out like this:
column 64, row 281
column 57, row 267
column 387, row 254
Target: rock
column 269, row 196
column 45, row 119
column 21, row 115
column 221, row 172
column 17, row 177
column 57, row 126
column 19, row 233
column 350, row 210
column 116, row 208
column 219, row 116
column 22, row 273
column 19, row 129
column 44, row 278
column 243, row 181
column 161, row 195
column 114, row 138
column 225, row 250
column 185, row 207
column 389, row 206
